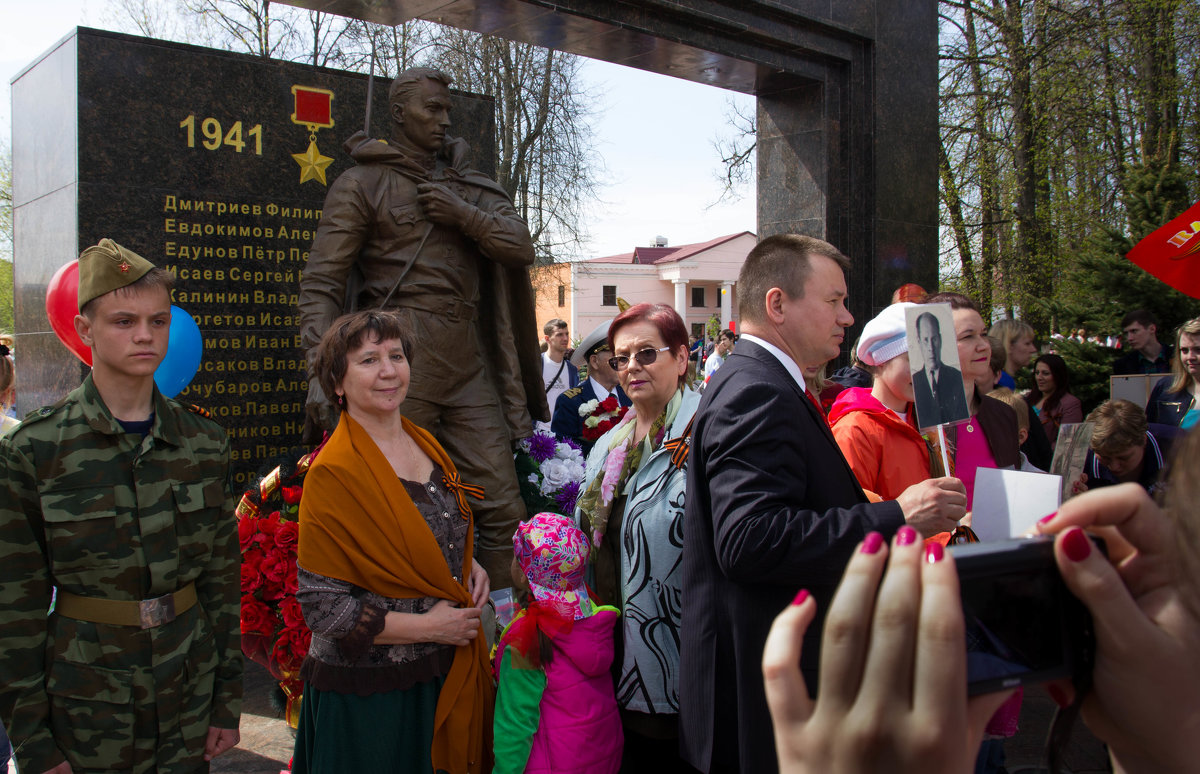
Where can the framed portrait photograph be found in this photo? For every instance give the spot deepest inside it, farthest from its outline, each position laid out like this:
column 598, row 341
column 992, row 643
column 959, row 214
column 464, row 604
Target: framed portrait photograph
column 938, row 392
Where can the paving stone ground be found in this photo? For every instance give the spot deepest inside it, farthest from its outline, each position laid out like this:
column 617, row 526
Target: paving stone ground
column 266, row 745
column 1084, row 755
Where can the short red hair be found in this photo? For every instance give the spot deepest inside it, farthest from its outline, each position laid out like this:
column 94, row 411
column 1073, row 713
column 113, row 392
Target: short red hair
column 665, row 319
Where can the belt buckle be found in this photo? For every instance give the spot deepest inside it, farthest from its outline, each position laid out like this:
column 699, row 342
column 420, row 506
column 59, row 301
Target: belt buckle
column 156, row 612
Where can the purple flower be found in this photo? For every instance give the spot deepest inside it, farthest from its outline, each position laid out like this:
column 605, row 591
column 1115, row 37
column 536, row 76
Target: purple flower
column 541, row 447
column 567, row 496
column 571, row 442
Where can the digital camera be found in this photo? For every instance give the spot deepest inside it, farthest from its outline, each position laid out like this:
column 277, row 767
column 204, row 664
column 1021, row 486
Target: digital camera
column 1023, row 624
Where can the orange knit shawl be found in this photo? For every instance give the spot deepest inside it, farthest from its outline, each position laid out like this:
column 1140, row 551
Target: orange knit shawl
column 358, row 524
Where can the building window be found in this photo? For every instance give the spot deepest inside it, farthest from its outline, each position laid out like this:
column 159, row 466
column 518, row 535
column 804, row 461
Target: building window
column 609, row 295
column 697, row 296
column 562, row 295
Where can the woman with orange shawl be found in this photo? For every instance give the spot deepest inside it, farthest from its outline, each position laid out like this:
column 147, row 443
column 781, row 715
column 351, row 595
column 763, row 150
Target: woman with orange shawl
column 396, row 678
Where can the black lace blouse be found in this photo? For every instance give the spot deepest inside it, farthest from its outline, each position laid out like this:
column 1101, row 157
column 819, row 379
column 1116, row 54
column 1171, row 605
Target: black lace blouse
column 345, row 619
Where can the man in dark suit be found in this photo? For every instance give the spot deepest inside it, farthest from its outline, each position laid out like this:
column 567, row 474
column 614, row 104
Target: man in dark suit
column 600, row 384
column 938, row 390
column 772, row 506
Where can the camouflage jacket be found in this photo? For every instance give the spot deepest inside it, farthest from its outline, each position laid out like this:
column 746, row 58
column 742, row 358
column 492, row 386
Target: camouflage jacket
column 95, row 511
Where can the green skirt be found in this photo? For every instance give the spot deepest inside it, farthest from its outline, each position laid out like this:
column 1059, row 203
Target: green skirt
column 384, row 732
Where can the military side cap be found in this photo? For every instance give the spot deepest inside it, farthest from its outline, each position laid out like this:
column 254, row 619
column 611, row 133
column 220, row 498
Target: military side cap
column 106, row 267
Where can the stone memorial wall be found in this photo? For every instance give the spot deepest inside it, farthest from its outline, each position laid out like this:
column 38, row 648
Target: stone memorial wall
column 213, row 166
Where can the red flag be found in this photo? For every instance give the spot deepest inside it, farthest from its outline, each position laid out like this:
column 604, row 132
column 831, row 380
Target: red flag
column 1172, row 253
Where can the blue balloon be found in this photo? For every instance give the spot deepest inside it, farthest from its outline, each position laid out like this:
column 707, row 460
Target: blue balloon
column 184, row 350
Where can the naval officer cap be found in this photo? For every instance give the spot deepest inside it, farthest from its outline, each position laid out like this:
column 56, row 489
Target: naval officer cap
column 591, row 342
column 106, row 267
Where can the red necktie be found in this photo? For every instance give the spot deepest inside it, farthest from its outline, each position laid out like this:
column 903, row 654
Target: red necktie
column 817, row 406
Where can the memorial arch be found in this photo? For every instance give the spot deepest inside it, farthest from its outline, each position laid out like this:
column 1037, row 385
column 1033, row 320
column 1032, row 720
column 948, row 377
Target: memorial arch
column 846, row 93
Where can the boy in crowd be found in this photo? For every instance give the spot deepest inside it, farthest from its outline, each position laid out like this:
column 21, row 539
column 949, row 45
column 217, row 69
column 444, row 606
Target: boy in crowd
column 1127, row 448
column 118, row 499
column 559, row 374
column 1147, row 355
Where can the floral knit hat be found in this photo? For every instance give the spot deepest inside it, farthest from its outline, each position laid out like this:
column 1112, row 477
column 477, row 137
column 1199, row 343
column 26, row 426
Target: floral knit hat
column 553, row 554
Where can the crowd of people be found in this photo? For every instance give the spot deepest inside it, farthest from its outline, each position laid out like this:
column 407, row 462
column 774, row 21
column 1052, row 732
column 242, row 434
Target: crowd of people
column 755, row 577
column 8, row 386
column 755, row 509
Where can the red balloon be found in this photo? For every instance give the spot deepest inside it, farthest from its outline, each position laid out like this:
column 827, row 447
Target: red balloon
column 62, row 304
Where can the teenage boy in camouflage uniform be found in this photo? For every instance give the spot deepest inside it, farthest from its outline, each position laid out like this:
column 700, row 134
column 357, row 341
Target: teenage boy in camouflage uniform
column 119, row 498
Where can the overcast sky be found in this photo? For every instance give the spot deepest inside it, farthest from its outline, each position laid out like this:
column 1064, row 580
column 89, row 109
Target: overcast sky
column 654, row 133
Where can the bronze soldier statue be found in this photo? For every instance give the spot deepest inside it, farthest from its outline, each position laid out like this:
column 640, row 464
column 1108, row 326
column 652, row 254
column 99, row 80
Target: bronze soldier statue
column 414, row 229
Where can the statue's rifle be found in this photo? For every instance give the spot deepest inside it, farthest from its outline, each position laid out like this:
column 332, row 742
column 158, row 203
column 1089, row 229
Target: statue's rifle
column 370, row 90
column 404, row 272
column 367, row 131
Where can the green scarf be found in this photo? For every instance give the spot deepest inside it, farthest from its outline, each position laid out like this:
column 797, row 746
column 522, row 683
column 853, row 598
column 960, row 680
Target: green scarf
column 610, row 481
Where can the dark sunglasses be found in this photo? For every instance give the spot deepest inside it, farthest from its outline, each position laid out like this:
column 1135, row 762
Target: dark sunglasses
column 644, row 357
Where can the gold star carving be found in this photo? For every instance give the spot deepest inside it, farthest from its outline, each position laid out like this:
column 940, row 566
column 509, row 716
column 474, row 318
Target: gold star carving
column 312, row 163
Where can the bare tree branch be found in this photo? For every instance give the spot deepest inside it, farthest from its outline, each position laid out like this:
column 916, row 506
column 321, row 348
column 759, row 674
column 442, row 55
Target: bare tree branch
column 736, row 150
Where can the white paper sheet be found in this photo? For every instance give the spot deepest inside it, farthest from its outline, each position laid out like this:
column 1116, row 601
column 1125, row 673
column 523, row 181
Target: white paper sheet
column 1009, row 502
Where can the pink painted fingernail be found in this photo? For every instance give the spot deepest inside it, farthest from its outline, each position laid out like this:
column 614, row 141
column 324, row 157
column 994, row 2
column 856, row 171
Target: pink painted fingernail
column 1047, row 519
column 906, row 535
column 800, row 598
column 1076, row 544
column 934, row 552
column 872, row 542
column 1057, row 694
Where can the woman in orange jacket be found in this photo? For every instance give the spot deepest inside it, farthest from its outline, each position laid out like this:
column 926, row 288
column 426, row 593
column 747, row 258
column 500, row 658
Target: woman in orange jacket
column 876, row 427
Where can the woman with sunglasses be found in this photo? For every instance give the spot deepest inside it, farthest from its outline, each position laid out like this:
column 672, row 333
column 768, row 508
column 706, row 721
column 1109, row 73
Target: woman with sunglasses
column 632, row 509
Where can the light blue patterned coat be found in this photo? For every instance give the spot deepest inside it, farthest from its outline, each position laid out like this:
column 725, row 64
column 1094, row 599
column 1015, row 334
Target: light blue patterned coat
column 651, row 571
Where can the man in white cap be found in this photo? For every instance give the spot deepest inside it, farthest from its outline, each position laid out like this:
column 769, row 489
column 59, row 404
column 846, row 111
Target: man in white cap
column 601, row 383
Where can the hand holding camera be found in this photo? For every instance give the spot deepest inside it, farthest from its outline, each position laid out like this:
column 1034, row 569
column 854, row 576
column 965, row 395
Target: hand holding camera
column 893, row 670
column 1145, row 699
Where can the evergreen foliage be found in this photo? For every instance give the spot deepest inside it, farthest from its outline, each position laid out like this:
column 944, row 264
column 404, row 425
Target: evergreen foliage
column 1104, row 285
column 712, row 329
column 1068, row 133
column 1090, row 366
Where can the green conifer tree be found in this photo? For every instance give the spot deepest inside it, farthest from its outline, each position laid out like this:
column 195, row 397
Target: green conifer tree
column 1107, row 284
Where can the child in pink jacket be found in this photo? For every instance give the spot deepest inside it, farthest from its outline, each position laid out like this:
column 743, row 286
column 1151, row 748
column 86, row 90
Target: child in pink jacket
column 555, row 708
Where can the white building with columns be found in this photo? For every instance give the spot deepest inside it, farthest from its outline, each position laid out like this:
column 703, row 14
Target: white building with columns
column 698, row 280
